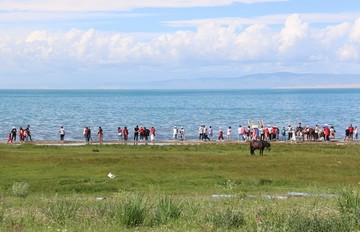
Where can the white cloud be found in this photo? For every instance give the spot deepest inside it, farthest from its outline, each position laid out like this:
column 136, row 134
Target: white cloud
column 334, row 35
column 211, row 44
column 295, row 30
column 111, row 5
column 351, row 49
column 37, row 36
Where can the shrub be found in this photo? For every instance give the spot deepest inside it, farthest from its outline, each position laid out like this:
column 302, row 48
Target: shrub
column 20, row 189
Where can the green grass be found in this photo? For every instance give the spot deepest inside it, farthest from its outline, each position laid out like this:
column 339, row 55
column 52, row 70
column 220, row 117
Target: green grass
column 169, row 188
column 179, row 170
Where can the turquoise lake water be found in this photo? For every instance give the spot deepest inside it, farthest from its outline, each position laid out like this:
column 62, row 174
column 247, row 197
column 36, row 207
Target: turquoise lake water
column 47, row 110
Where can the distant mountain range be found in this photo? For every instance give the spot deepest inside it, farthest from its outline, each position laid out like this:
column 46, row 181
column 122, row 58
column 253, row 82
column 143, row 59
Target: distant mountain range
column 261, row 81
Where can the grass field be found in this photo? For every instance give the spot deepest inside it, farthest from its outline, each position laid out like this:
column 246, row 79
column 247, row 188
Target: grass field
column 38, row 182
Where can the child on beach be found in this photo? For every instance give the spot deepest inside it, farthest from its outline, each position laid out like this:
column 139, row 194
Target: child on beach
column 9, row 140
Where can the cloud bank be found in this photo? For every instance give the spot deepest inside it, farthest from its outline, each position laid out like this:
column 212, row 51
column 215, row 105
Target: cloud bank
column 212, row 48
column 209, row 42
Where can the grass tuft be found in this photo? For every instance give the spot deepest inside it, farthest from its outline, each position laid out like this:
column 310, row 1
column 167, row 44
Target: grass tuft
column 133, row 211
column 20, row 189
column 166, row 210
column 229, row 218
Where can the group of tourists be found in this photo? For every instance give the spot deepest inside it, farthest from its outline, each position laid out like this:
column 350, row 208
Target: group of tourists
column 178, row 133
column 142, row 134
column 273, row 133
column 24, row 134
column 244, row 133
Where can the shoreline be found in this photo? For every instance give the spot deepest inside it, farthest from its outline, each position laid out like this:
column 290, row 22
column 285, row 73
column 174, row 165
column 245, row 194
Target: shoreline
column 165, row 142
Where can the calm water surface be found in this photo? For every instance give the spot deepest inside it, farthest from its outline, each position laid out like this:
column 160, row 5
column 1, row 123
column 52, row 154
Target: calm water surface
column 47, row 110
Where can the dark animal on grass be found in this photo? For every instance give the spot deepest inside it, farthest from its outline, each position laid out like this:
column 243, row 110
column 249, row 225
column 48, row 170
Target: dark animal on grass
column 261, row 145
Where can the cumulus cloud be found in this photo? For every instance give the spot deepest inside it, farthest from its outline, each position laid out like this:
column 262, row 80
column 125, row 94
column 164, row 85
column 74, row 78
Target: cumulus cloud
column 295, row 30
column 209, row 44
column 350, row 51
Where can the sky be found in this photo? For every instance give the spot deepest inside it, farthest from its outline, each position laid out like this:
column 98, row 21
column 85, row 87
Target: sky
column 108, row 44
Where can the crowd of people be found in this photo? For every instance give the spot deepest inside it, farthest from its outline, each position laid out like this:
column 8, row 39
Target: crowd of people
column 244, row 133
column 273, row 133
column 24, row 135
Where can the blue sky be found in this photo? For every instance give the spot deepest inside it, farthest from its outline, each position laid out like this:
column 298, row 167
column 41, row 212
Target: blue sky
column 127, row 44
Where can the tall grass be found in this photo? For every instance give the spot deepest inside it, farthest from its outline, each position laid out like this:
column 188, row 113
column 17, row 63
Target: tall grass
column 61, row 211
column 167, row 209
column 138, row 212
column 134, row 211
column 228, row 218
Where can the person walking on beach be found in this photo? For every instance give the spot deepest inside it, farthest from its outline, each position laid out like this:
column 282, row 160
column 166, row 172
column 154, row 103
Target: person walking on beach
column 239, row 133
column 62, row 134
column 326, row 133
column 87, row 135
column 356, row 133
column 228, row 133
column 152, row 134
column 28, row 134
column 119, row 131
column 100, row 135
column 206, row 134
column 210, row 132
column 221, row 134
column 126, row 134
column 141, row 133
column 347, row 134
column 175, row 133
column 201, row 132
column 182, row 133
column 136, row 134
column 283, row 134
column 146, row 134
column 84, row 133
column 316, row 132
column 13, row 134
column 351, row 132
column 262, row 133
column 21, row 135
column 289, row 129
